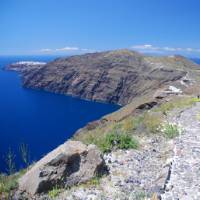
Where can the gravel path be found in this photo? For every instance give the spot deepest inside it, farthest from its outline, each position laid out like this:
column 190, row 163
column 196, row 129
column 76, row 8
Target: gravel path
column 184, row 180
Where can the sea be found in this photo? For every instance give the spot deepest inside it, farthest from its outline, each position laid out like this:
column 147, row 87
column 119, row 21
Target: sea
column 38, row 120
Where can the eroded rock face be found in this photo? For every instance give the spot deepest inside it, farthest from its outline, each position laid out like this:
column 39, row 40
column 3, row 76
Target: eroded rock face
column 112, row 76
column 69, row 164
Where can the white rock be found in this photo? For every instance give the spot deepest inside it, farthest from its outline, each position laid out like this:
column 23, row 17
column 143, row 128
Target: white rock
column 175, row 90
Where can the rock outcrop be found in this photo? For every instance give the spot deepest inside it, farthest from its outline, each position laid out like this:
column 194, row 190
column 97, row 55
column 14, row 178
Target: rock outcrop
column 133, row 174
column 112, row 76
column 69, row 164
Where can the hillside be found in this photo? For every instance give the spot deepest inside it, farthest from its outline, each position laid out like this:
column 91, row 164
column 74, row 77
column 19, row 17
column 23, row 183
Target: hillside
column 112, row 77
column 136, row 152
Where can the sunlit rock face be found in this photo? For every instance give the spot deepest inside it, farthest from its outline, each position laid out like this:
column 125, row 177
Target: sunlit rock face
column 112, row 76
column 69, row 164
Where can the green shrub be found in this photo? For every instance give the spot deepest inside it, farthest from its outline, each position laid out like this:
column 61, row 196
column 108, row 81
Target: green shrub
column 54, row 192
column 195, row 100
column 117, row 141
column 9, row 183
column 125, row 141
column 116, row 138
column 103, row 145
column 170, row 130
column 140, row 195
column 95, row 181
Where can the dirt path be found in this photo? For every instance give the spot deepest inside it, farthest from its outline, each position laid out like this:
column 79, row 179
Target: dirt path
column 184, row 180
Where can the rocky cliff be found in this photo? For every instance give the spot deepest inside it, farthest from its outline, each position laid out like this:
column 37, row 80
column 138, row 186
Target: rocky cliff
column 113, row 76
column 160, row 98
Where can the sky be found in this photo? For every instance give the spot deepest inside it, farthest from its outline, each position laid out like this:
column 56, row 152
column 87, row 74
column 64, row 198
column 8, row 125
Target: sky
column 34, row 27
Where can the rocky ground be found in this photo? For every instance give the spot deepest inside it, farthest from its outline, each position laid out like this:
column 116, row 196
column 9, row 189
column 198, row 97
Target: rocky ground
column 134, row 174
column 168, row 168
column 184, row 180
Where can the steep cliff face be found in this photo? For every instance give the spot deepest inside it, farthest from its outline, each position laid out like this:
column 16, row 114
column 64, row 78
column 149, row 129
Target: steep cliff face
column 155, row 91
column 112, row 76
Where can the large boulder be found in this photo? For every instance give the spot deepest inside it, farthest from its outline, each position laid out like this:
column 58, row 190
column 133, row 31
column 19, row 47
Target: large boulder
column 69, row 164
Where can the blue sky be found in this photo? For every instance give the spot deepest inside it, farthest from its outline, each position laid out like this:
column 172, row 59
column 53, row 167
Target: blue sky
column 78, row 26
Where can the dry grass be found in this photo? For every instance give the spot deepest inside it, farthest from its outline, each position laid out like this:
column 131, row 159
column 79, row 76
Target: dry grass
column 178, row 102
column 144, row 123
column 9, row 183
column 152, row 121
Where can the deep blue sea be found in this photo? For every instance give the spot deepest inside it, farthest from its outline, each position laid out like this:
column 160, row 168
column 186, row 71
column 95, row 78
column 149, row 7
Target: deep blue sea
column 39, row 119
column 197, row 60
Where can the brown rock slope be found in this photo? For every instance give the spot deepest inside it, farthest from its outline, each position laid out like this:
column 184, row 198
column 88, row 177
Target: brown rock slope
column 113, row 76
column 156, row 84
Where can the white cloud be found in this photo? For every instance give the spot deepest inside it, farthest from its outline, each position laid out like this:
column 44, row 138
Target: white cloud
column 169, row 49
column 88, row 50
column 84, row 49
column 68, row 49
column 46, row 50
column 190, row 49
column 144, row 46
column 148, row 48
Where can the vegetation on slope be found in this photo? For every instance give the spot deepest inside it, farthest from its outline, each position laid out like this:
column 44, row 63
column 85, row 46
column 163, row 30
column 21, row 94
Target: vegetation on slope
column 127, row 131
column 123, row 134
column 9, row 183
column 9, row 180
column 116, row 138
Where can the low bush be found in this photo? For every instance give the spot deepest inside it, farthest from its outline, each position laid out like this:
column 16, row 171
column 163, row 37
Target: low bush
column 9, row 183
column 170, row 130
column 95, row 181
column 54, row 192
column 195, row 99
column 117, row 141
